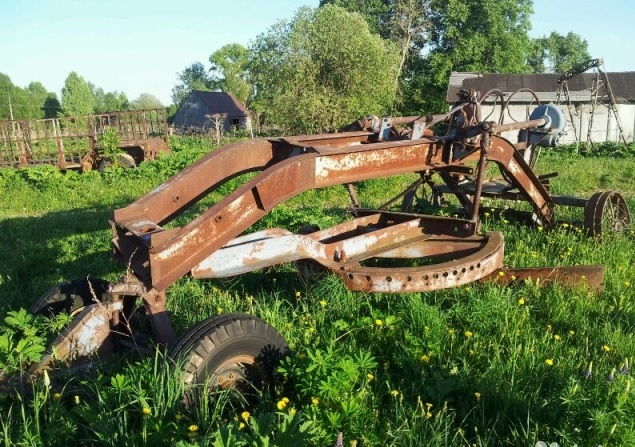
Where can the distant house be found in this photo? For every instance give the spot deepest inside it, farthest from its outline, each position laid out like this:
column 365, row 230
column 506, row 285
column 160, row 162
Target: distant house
column 200, row 105
column 586, row 108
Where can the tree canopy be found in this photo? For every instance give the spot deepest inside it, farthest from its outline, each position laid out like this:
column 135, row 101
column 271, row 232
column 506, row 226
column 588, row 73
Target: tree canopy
column 321, row 70
column 77, row 96
column 557, row 53
column 146, row 101
column 229, row 71
column 193, row 77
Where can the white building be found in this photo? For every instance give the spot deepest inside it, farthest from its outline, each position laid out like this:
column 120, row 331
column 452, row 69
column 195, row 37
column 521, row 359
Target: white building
column 587, row 109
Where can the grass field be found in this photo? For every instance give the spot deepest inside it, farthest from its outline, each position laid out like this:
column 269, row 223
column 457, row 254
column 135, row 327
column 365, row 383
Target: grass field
column 480, row 365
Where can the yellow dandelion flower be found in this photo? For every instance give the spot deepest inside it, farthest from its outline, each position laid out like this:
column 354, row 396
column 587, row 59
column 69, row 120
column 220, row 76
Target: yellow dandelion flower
column 311, row 330
column 429, row 414
column 539, row 228
column 571, row 332
column 451, row 331
column 298, row 294
column 477, row 395
column 513, row 278
column 394, row 393
column 370, row 377
column 281, row 405
column 77, row 400
column 219, row 310
column 606, row 348
column 241, row 426
column 146, row 411
column 322, row 303
column 468, row 334
column 378, row 322
column 292, row 411
column 57, row 396
column 486, row 214
column 425, row 358
column 549, row 327
column 315, row 401
column 501, row 273
column 285, row 400
column 245, row 415
column 556, row 337
column 565, row 225
column 428, row 405
column 193, row 428
column 521, row 301
column 549, row 362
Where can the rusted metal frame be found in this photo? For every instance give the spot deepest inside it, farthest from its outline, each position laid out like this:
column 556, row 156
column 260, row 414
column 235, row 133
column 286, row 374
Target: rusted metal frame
column 482, row 163
column 485, row 259
column 413, row 186
column 196, row 180
column 173, row 254
column 354, row 241
column 505, row 155
column 87, row 335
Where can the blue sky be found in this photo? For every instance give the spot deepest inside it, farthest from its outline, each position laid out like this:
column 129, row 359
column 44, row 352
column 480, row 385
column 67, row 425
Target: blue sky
column 139, row 46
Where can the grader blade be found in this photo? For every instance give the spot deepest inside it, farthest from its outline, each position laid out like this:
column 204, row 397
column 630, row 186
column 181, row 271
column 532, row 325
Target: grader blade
column 392, row 249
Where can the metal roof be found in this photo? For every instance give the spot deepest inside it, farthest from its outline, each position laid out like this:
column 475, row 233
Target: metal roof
column 221, row 102
column 544, row 84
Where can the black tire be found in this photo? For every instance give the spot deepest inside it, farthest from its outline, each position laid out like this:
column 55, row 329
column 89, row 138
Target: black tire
column 234, row 351
column 71, row 296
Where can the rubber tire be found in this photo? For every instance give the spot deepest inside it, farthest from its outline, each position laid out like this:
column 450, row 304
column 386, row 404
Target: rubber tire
column 216, row 341
column 71, row 296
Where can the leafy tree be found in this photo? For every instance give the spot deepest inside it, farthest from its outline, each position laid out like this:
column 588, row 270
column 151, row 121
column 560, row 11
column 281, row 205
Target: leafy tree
column 321, row 70
column 472, row 35
column 23, row 103
column 404, row 22
column 229, row 71
column 557, row 53
column 194, row 77
column 77, row 97
column 105, row 102
column 47, row 103
column 377, row 13
column 146, row 101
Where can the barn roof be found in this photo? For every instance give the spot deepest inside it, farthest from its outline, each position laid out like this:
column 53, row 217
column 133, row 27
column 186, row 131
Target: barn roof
column 544, row 84
column 221, row 102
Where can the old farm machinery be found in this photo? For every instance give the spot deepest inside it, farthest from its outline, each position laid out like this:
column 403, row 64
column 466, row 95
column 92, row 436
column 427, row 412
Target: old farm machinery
column 443, row 251
column 75, row 142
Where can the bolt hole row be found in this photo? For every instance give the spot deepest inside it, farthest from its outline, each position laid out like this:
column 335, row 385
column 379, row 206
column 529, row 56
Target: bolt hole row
column 427, row 277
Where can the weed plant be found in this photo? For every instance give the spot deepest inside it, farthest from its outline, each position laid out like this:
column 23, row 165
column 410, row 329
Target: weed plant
column 477, row 365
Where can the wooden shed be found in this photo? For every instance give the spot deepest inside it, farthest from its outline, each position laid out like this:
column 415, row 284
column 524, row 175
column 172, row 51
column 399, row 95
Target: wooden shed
column 194, row 113
column 588, row 112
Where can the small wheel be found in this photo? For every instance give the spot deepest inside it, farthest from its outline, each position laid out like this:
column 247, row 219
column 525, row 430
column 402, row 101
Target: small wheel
column 606, row 211
column 419, row 199
column 71, row 296
column 233, row 351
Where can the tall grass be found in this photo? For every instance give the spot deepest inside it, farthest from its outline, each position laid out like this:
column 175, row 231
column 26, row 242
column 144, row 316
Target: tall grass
column 477, row 365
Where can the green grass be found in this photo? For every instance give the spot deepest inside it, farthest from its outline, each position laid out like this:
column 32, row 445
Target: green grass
column 478, row 365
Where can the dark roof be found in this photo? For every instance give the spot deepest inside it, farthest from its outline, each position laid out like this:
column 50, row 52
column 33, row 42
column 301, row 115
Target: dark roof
column 221, row 102
column 545, row 84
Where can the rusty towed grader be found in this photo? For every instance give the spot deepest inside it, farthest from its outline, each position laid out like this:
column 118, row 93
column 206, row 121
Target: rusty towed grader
column 230, row 350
